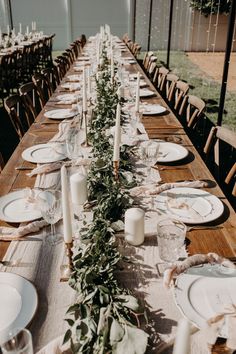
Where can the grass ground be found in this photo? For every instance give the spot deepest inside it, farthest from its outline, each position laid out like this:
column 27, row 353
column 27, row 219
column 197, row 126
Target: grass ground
column 202, row 86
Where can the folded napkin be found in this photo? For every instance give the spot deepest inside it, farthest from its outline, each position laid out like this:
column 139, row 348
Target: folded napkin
column 13, row 233
column 50, row 167
column 166, row 186
column 192, row 261
column 55, row 347
column 142, row 190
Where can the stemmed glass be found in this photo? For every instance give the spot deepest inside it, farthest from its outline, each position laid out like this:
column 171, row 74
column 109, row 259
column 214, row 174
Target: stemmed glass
column 73, row 144
column 50, row 205
column 19, row 341
column 149, row 154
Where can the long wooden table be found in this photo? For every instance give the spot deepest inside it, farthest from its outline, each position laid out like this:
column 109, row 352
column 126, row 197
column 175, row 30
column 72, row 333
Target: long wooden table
column 221, row 240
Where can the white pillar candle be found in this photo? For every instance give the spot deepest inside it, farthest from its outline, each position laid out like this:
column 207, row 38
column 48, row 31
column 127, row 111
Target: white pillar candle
column 20, row 28
column 137, row 93
column 182, row 340
column 85, row 108
column 67, row 223
column 78, row 187
column 134, row 226
column 27, row 30
column 117, row 136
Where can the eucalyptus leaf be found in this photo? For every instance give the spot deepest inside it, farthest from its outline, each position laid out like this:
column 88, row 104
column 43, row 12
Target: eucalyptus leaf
column 134, row 341
column 116, row 332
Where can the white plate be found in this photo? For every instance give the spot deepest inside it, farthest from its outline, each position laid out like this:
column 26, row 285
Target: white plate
column 151, row 109
column 190, row 205
column 60, row 114
column 146, row 93
column 74, row 77
column 134, row 76
column 67, row 97
column 71, row 86
column 83, row 58
column 45, row 153
column 171, row 152
column 201, row 292
column 14, row 207
column 18, row 303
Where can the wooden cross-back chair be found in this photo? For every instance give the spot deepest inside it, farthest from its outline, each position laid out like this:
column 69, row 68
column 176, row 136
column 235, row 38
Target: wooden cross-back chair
column 229, row 178
column 52, row 78
column 159, row 77
column 13, row 105
column 170, row 84
column 30, row 97
column 177, row 96
column 43, row 87
column 191, row 110
column 216, row 135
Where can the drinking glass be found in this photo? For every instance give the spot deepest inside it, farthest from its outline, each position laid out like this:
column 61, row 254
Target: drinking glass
column 170, row 237
column 19, row 341
column 73, row 144
column 50, row 205
column 149, row 154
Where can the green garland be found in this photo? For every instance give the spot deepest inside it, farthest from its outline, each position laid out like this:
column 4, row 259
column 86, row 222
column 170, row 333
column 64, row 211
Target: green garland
column 103, row 320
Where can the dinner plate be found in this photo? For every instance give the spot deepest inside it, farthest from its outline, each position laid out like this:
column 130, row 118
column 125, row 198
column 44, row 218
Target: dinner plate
column 152, row 109
column 15, row 207
column 18, row 303
column 74, row 77
column 60, row 113
column 146, row 93
column 201, row 293
column 134, row 76
column 67, row 97
column 171, row 152
column 71, row 86
column 45, row 153
column 190, row 205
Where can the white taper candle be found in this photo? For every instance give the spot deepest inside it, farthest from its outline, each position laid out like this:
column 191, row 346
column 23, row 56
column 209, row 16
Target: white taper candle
column 137, row 93
column 67, row 223
column 117, row 136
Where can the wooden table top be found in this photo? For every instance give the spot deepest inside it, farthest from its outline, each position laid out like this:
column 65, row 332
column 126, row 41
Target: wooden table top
column 167, row 127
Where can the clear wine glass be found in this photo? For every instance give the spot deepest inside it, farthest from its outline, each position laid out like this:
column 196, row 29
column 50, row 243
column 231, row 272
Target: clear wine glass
column 150, row 152
column 19, row 341
column 50, row 205
column 73, row 144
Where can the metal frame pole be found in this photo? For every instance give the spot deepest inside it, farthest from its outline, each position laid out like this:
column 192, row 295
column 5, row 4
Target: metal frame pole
column 149, row 26
column 10, row 14
column 134, row 20
column 169, row 33
column 227, row 61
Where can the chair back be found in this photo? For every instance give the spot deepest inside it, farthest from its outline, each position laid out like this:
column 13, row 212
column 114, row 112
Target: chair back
column 43, row 87
column 159, row 77
column 171, row 80
column 13, row 105
column 29, row 95
column 230, row 176
column 180, row 91
column 194, row 108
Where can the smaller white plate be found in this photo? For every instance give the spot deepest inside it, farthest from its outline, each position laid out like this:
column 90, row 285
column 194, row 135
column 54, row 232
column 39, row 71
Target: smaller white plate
column 152, row 109
column 83, row 58
column 201, row 293
column 134, row 76
column 60, row 114
column 14, row 207
column 171, row 152
column 71, row 86
column 74, row 77
column 67, row 97
column 18, row 303
column 45, row 153
column 146, row 93
column 190, row 205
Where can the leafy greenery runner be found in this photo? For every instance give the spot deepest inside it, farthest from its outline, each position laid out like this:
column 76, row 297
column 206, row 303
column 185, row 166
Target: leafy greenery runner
column 103, row 320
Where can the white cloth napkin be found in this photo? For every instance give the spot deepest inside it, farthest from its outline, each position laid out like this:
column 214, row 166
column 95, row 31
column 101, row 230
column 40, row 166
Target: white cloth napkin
column 166, row 186
column 55, row 347
column 12, row 233
column 50, row 167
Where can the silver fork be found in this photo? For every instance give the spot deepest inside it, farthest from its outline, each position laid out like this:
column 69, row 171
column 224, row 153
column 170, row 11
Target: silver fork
column 190, row 228
column 13, row 263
